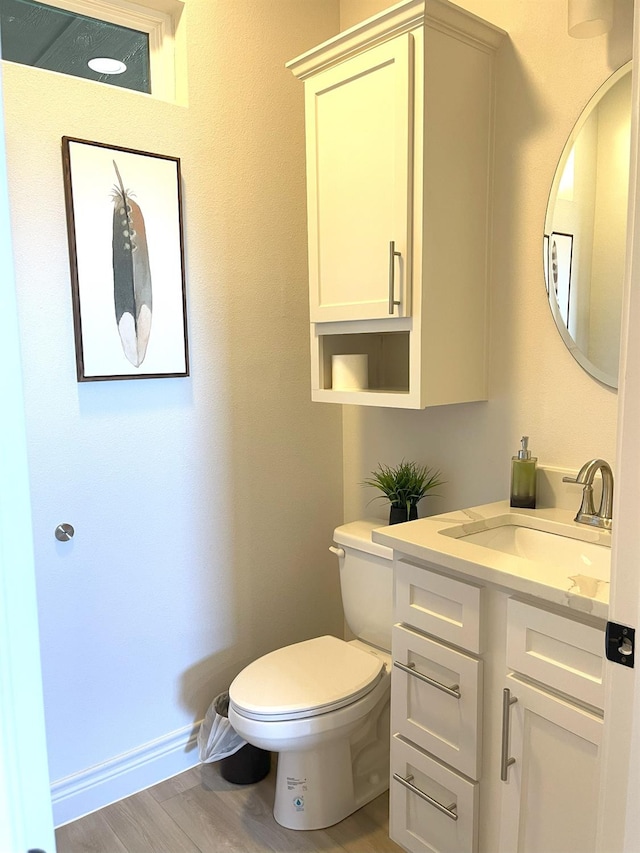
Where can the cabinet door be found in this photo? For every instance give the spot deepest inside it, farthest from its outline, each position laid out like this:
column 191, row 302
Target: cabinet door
column 550, row 797
column 359, row 131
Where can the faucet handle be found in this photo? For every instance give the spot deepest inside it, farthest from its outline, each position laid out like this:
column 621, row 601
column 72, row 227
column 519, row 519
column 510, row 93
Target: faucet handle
column 570, row 479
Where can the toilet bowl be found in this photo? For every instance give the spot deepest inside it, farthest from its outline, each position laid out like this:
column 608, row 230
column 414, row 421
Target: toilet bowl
column 323, row 704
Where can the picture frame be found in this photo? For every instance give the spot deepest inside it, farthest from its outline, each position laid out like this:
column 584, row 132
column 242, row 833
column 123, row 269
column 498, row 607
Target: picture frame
column 126, row 255
column 560, row 263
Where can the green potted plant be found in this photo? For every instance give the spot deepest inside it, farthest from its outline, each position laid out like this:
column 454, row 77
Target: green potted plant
column 403, row 486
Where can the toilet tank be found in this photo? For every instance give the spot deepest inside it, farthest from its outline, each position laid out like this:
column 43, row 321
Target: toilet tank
column 366, row 581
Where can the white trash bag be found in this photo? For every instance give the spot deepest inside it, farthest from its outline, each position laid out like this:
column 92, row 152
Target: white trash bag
column 217, row 739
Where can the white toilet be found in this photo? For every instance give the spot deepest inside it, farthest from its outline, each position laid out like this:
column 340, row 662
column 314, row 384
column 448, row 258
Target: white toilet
column 323, row 704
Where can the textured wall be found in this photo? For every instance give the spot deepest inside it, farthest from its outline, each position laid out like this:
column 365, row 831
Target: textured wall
column 203, row 507
column 544, row 79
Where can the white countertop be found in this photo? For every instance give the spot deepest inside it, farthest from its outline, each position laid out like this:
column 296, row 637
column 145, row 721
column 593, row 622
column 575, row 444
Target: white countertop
column 423, row 539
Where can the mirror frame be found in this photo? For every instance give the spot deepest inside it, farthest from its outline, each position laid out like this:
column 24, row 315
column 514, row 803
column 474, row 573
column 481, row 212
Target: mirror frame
column 580, row 357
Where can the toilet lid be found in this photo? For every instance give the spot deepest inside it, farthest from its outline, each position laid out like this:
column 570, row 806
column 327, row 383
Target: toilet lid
column 305, row 679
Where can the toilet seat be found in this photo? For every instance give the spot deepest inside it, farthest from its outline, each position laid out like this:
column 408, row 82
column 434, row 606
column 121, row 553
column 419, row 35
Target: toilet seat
column 305, row 679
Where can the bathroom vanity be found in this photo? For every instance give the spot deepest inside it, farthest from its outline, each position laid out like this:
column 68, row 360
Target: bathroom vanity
column 497, row 685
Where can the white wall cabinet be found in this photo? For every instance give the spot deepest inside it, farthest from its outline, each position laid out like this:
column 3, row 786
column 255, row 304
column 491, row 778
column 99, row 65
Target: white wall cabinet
column 399, row 127
column 496, row 719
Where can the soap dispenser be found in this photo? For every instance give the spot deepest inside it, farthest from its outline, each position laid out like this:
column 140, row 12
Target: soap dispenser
column 523, row 477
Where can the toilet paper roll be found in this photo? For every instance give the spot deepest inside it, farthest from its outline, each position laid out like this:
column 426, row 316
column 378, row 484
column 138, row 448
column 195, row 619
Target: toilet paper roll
column 350, row 372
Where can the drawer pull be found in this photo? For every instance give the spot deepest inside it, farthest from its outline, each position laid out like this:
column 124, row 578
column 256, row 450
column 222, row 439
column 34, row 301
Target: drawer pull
column 450, row 811
column 505, row 762
column 454, row 690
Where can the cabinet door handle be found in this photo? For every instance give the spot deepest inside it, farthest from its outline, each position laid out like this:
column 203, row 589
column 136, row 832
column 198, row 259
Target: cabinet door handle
column 454, row 690
column 450, row 810
column 392, row 275
column 505, row 762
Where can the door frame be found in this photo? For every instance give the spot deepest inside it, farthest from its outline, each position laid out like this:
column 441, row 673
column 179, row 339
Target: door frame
column 618, row 813
column 26, row 820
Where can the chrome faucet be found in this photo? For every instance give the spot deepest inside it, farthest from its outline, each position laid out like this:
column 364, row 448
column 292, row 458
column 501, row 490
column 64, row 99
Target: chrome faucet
column 587, row 513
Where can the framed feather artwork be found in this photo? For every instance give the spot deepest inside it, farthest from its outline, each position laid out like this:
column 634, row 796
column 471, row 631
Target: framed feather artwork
column 124, row 223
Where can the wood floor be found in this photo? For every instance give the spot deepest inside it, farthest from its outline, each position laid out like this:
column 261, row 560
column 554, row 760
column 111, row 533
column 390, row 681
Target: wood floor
column 199, row 812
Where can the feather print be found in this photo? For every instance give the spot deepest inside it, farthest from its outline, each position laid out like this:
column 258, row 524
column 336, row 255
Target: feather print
column 131, row 274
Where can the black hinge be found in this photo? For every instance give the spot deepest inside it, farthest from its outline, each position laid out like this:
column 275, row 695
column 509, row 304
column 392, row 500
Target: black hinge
column 620, row 643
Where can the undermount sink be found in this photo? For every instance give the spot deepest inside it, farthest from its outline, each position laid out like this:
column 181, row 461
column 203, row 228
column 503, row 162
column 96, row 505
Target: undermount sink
column 555, row 546
column 541, row 552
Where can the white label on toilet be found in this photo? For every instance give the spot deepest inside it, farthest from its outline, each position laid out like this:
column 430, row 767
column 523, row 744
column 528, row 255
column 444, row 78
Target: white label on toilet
column 298, row 803
column 293, row 783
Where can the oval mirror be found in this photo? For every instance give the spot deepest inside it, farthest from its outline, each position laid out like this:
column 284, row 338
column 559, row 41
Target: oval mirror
column 585, row 230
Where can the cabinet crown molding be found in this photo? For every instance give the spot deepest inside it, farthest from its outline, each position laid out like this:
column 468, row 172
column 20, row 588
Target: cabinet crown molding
column 401, row 18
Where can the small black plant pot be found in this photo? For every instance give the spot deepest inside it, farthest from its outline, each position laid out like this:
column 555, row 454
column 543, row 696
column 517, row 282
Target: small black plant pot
column 398, row 514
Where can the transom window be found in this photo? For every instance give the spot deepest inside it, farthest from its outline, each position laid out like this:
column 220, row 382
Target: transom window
column 134, row 44
column 44, row 36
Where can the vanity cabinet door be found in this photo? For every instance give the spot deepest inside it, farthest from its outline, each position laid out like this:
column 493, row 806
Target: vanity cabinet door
column 359, row 132
column 436, row 699
column 550, row 796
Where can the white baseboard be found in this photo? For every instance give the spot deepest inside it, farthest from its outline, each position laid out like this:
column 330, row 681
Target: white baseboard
column 92, row 789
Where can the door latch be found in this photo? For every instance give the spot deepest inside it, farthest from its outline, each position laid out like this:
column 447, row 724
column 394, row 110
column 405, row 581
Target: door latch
column 620, row 643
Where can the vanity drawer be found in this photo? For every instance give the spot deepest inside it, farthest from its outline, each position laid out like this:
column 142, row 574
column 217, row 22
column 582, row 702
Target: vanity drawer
column 439, row 605
column 431, row 808
column 436, row 699
column 557, row 651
